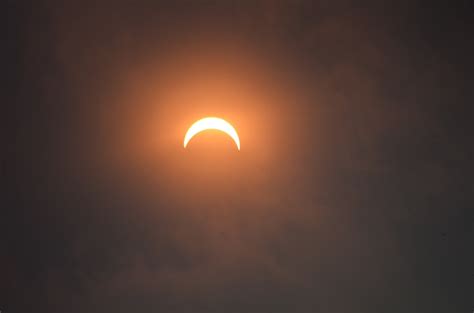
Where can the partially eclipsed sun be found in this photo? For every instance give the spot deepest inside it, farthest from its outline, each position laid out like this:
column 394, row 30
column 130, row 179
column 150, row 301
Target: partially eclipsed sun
column 208, row 123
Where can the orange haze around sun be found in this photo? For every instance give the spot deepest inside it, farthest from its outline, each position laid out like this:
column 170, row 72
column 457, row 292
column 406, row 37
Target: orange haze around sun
column 157, row 102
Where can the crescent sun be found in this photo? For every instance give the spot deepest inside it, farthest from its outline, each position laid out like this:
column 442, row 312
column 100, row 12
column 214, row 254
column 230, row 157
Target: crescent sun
column 208, row 123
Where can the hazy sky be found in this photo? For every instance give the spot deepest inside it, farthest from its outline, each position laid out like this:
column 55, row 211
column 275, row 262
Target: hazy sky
column 352, row 191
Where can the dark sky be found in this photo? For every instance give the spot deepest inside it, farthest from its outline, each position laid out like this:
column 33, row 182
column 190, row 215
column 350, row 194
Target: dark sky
column 353, row 191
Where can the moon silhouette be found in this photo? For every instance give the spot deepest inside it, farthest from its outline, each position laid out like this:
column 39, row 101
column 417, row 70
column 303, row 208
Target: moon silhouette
column 209, row 123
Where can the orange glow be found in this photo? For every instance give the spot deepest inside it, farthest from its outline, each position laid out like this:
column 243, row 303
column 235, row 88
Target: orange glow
column 208, row 123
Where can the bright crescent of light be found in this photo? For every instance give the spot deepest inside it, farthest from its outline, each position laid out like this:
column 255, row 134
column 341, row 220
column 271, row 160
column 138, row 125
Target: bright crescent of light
column 212, row 123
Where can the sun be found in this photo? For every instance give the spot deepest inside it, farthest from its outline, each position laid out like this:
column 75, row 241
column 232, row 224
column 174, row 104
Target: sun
column 208, row 123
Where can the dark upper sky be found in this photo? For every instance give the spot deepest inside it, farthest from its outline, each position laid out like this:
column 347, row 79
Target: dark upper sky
column 352, row 193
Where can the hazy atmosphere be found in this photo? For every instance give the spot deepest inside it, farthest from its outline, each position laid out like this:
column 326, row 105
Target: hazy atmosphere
column 352, row 191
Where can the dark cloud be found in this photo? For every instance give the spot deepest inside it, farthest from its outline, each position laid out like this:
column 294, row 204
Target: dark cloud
column 352, row 191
